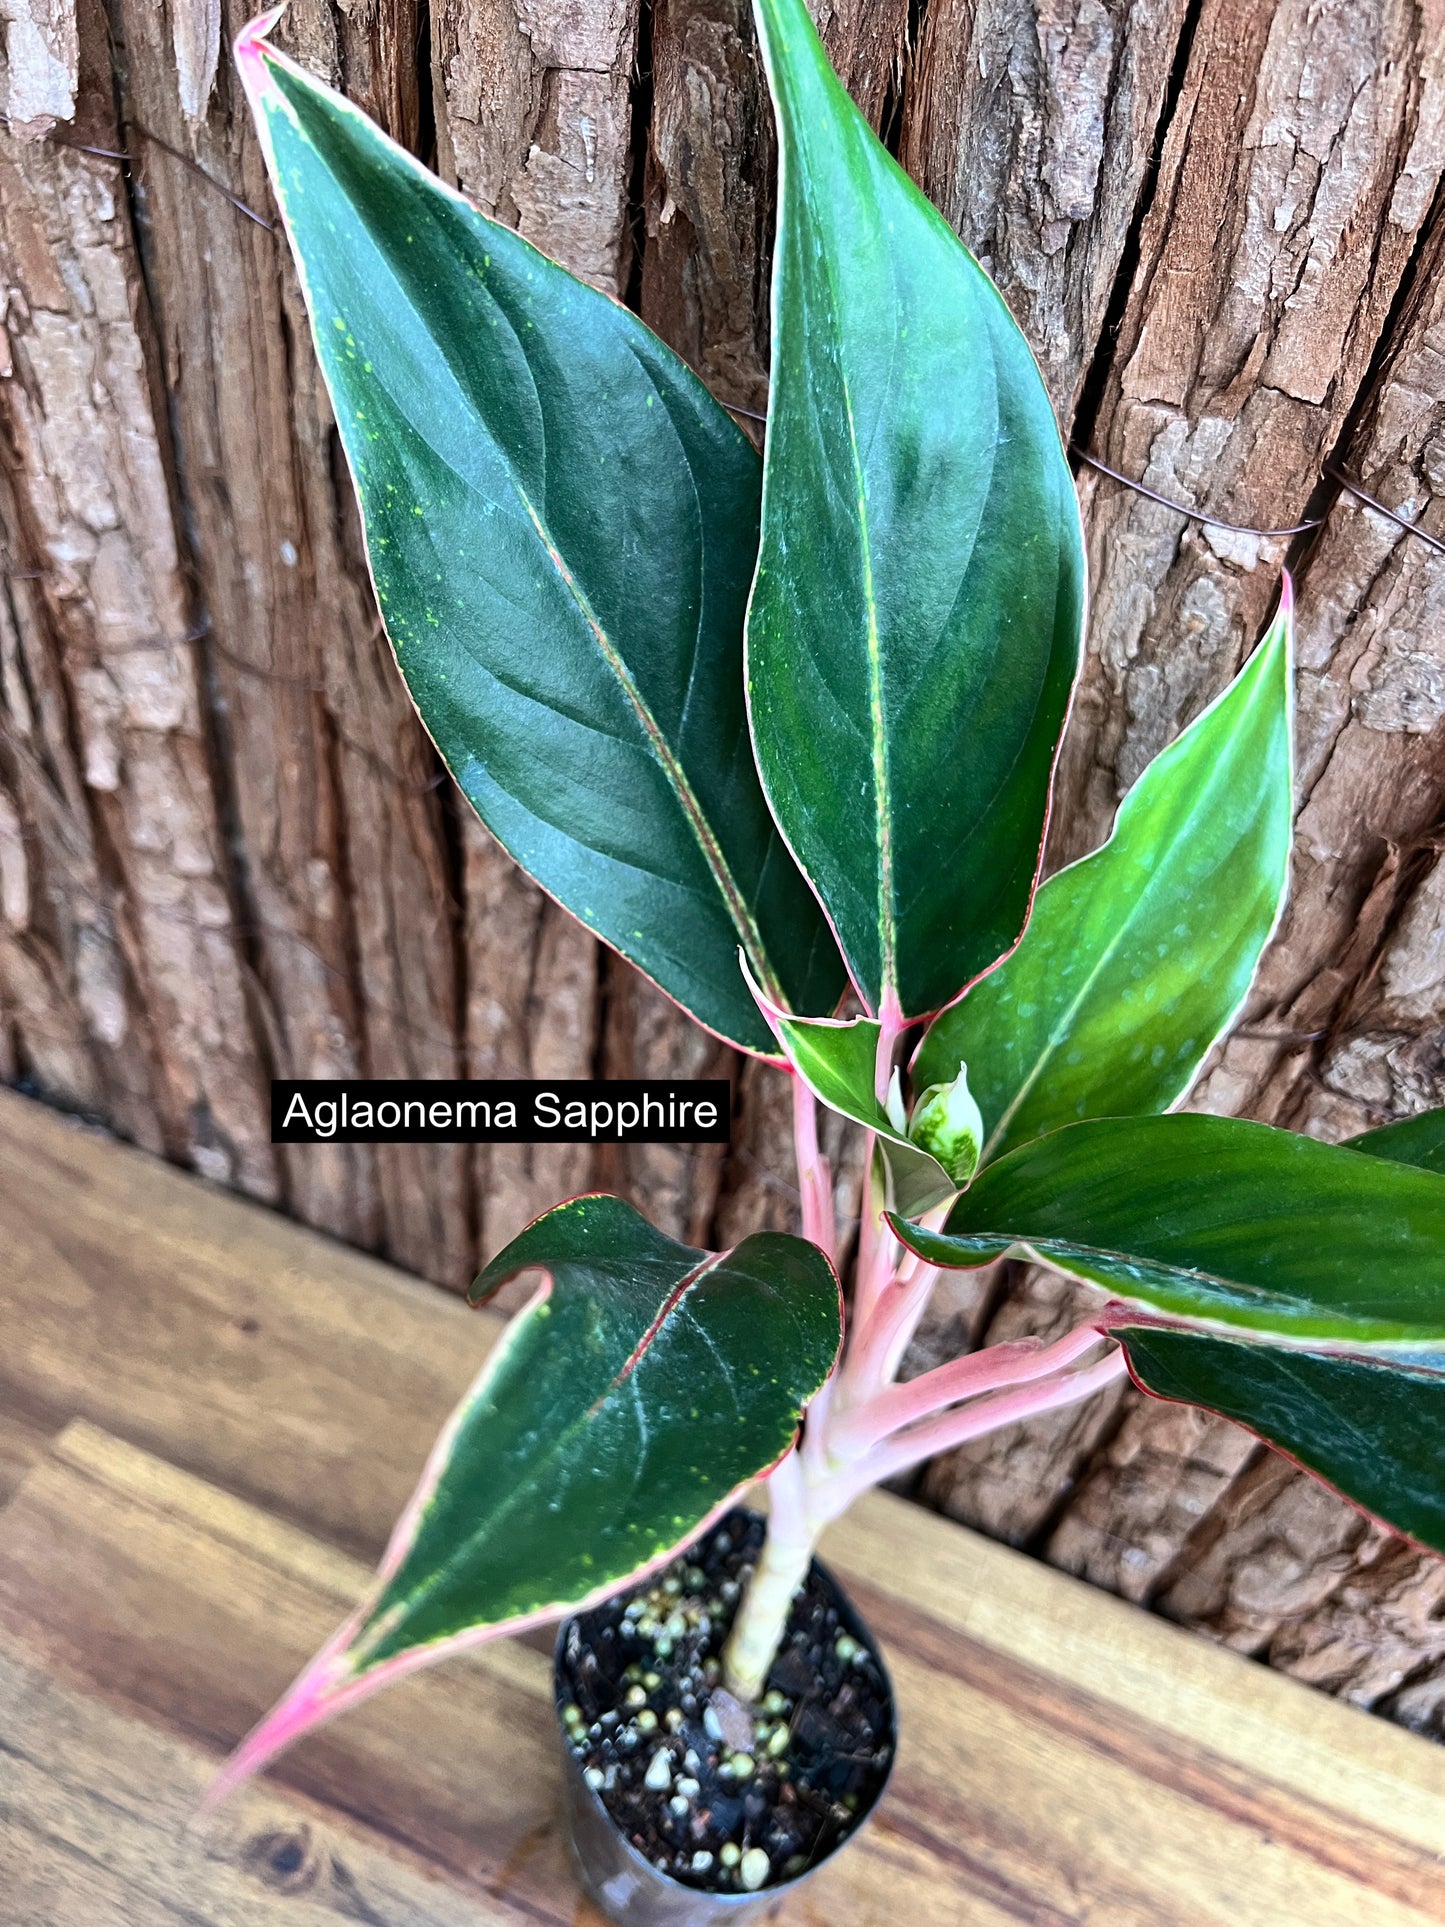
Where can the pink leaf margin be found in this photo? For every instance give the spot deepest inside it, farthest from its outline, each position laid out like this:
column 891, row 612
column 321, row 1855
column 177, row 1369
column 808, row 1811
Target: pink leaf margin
column 252, row 52
column 330, row 1682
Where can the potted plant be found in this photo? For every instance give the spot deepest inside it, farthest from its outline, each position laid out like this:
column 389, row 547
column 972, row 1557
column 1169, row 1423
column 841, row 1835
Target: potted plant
column 779, row 730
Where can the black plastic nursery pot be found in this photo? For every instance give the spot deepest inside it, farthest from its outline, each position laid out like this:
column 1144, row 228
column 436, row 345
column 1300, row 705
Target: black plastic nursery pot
column 678, row 1817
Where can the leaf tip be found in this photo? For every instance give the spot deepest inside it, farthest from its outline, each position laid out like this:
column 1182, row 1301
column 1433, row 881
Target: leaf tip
column 250, row 47
column 306, row 1704
column 948, row 1124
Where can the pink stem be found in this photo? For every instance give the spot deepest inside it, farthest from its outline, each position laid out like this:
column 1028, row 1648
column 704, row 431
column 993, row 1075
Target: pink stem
column 876, row 1248
column 893, row 1315
column 916, row 1289
column 815, row 1179
column 865, row 1426
column 812, row 1452
column 909, row 1448
column 890, row 1028
column 782, row 1566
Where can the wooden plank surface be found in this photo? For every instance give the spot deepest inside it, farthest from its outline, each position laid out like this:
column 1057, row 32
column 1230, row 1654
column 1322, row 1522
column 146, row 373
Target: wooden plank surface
column 215, row 1333
column 210, row 1413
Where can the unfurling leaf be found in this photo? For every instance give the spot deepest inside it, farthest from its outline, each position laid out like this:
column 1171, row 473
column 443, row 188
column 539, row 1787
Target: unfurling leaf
column 617, row 1414
column 1138, row 957
column 948, row 1124
column 1374, row 1431
column 915, row 625
column 561, row 524
column 1217, row 1222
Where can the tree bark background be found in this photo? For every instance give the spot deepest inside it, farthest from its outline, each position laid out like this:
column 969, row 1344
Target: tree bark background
column 225, row 849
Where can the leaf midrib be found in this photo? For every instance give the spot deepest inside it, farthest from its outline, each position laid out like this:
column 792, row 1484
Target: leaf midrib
column 728, row 888
column 734, row 900
column 1055, row 1252
column 878, row 747
column 1062, row 1029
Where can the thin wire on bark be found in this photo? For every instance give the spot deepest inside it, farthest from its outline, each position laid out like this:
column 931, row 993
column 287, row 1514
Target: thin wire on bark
column 158, row 140
column 1331, row 472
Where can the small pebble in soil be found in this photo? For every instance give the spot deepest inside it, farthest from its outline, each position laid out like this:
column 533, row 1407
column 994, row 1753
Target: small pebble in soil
column 754, row 1868
column 721, row 1796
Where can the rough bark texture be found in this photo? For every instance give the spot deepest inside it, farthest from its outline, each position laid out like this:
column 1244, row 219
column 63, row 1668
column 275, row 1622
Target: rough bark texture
column 1042, row 171
column 225, row 851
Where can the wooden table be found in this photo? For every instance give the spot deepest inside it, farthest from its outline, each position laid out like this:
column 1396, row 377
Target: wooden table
column 208, row 1419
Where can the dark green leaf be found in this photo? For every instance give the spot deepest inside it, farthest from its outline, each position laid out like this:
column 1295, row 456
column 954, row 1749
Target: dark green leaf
column 1414, row 1140
column 1137, row 958
column 562, row 525
column 621, row 1409
column 1374, row 1432
column 1217, row 1220
column 915, row 624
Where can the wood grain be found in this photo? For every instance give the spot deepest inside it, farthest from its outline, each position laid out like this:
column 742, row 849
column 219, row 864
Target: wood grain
column 346, row 878
column 1028, row 1787
column 1343, row 1031
column 1293, row 206
column 215, row 1334
column 1298, row 170
column 121, row 968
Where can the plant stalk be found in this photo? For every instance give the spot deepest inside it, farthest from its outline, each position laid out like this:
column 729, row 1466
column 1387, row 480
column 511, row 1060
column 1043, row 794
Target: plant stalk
column 762, row 1615
column 901, row 1451
column 862, row 1427
column 815, row 1176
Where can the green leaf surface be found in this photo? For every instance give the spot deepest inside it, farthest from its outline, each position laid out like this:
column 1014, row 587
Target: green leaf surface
column 915, row 624
column 653, row 1380
column 915, row 1181
column 1374, row 1432
column 561, row 525
column 620, row 1410
column 1418, row 1140
column 1218, row 1221
column 837, row 1061
column 1137, row 958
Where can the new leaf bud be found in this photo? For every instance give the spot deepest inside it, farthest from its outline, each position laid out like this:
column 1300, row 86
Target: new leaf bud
column 948, row 1124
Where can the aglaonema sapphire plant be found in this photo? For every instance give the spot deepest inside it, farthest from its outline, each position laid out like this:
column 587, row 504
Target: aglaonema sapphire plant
column 778, row 729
